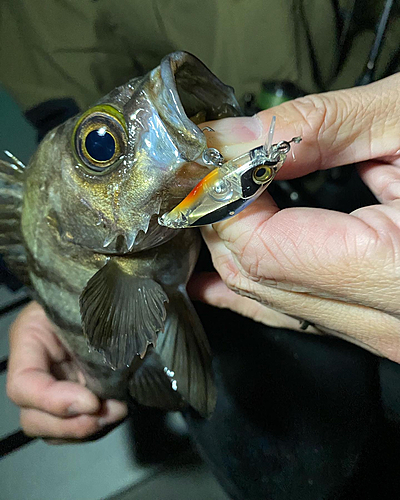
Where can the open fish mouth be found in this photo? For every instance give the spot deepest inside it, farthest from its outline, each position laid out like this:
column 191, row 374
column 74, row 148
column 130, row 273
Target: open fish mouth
column 156, row 160
column 188, row 93
column 164, row 110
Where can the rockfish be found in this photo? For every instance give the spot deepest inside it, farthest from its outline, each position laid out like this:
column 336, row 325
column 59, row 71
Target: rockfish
column 79, row 226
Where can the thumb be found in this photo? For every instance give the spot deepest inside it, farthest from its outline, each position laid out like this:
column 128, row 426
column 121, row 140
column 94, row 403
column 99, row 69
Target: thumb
column 337, row 128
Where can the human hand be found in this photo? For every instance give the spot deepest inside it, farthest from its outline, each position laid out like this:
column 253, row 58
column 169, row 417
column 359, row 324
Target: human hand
column 340, row 272
column 52, row 408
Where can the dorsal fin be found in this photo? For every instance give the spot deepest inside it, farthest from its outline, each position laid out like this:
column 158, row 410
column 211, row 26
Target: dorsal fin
column 16, row 165
column 11, row 195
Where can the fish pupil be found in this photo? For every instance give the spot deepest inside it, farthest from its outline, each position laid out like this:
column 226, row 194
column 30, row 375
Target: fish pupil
column 100, row 145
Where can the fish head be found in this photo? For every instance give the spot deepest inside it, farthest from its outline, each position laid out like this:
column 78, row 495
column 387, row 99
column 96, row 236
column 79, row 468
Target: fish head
column 104, row 176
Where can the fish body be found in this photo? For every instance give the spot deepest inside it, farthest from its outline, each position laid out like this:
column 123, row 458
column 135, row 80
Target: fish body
column 85, row 234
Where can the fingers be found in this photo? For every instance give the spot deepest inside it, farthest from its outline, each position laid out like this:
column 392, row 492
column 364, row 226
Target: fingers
column 326, row 253
column 382, row 179
column 335, row 270
column 35, row 389
column 367, row 327
column 51, row 408
column 209, row 288
column 338, row 128
column 38, row 324
column 364, row 326
column 33, row 349
column 38, row 423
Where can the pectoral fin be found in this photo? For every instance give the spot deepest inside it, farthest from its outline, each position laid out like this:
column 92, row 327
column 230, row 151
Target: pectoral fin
column 122, row 314
column 185, row 352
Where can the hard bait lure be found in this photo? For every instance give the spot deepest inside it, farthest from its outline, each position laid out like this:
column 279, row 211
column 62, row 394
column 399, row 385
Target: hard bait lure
column 230, row 187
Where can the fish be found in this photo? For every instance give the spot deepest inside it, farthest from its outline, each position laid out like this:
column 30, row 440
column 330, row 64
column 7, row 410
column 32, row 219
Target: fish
column 79, row 226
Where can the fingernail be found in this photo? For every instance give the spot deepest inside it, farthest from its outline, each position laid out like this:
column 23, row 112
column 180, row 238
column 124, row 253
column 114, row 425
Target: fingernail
column 103, row 421
column 83, row 405
column 237, row 130
column 114, row 410
column 73, row 410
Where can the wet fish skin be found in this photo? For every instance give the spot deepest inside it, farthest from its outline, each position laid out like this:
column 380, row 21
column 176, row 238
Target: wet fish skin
column 108, row 275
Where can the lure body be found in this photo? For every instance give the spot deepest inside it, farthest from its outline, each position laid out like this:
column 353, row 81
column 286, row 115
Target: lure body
column 231, row 187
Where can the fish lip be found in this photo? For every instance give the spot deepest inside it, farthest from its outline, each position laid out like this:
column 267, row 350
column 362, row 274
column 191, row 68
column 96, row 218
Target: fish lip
column 169, row 68
column 185, row 78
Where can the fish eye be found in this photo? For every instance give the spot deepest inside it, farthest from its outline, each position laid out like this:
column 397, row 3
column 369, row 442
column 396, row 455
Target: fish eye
column 100, row 138
column 262, row 174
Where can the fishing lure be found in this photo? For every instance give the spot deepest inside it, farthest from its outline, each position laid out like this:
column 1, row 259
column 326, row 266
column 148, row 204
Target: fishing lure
column 230, row 187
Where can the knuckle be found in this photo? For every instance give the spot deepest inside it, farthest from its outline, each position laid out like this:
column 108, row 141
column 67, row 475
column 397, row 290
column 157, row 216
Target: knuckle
column 226, row 268
column 84, row 427
column 28, row 424
column 313, row 111
column 13, row 390
column 332, row 120
column 230, row 276
column 234, row 274
column 239, row 284
column 82, row 433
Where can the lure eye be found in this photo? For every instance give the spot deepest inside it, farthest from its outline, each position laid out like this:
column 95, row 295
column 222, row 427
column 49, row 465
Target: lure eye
column 100, row 138
column 262, row 174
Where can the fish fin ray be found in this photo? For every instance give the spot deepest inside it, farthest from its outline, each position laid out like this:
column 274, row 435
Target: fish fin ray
column 11, row 195
column 185, row 352
column 118, row 314
column 150, row 386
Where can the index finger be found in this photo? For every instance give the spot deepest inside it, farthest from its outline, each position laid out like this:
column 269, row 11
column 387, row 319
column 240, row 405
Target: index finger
column 338, row 128
column 30, row 384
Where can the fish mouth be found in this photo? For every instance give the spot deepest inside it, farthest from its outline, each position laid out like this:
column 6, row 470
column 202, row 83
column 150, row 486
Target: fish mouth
column 162, row 110
column 184, row 92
